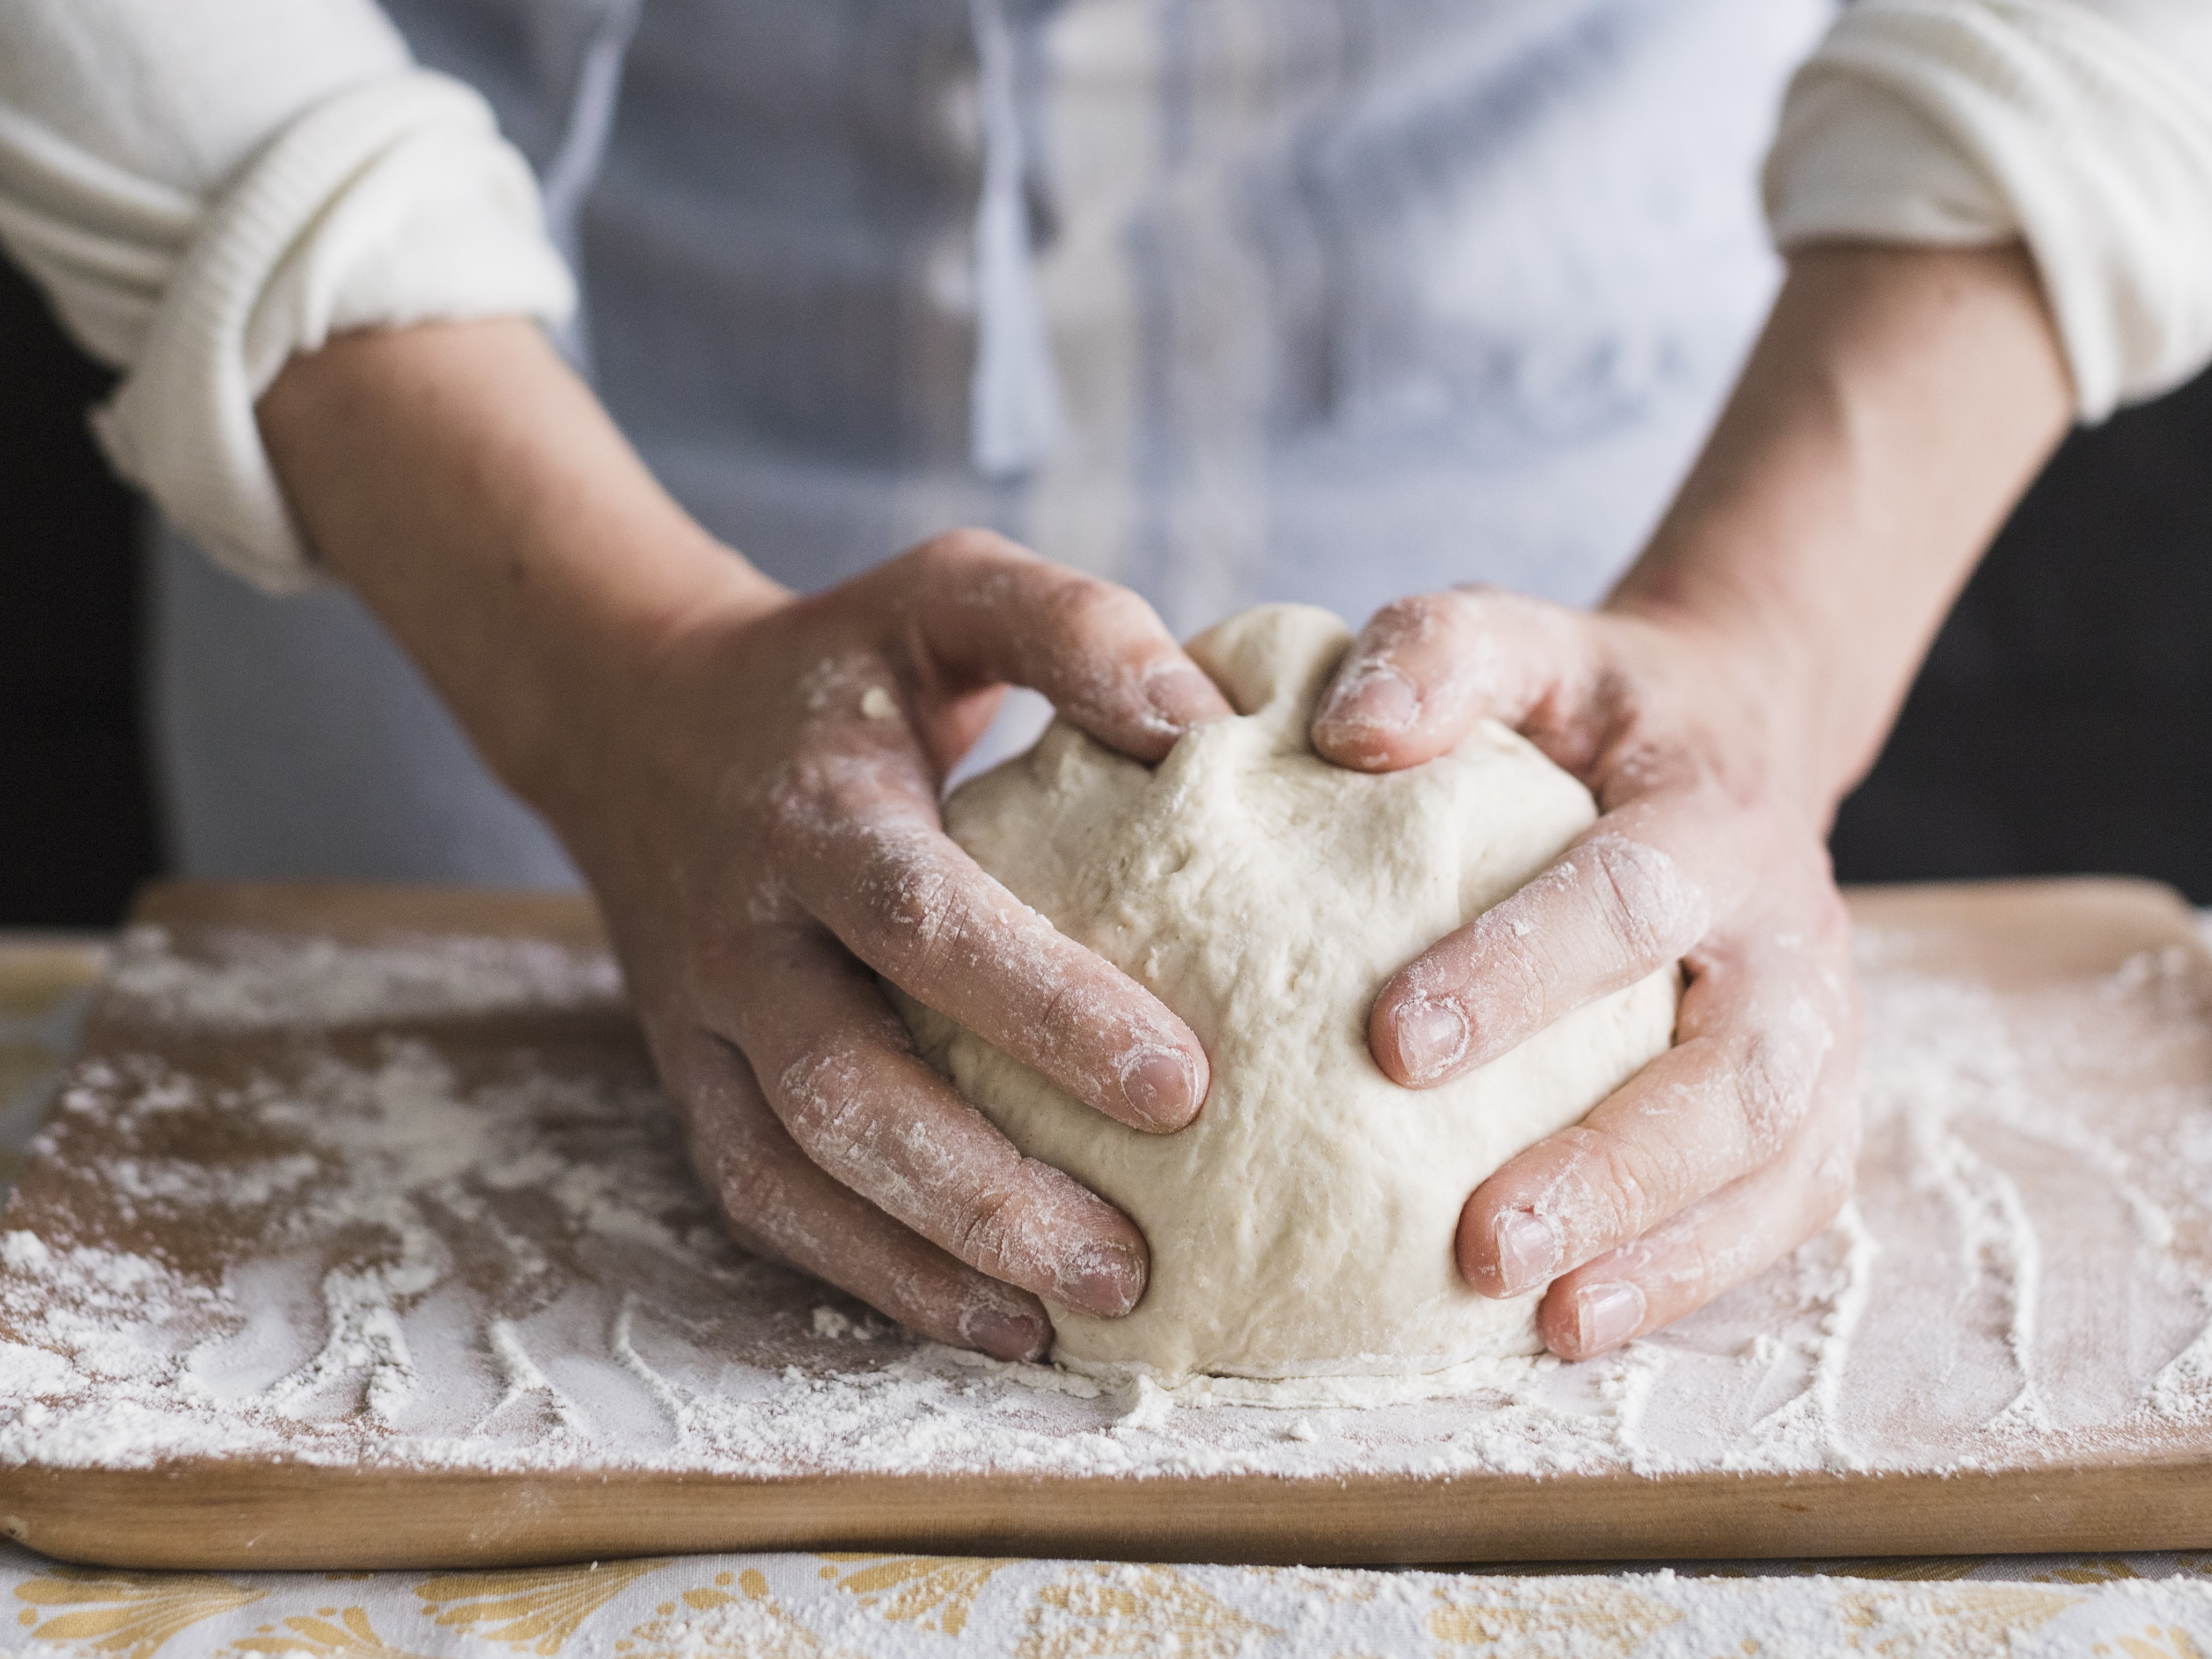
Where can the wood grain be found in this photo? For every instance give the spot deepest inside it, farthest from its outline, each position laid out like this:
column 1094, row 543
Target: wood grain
column 272, row 1517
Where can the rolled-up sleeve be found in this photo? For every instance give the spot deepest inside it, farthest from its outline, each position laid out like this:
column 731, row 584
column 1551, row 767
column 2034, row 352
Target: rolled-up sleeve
column 204, row 189
column 2082, row 127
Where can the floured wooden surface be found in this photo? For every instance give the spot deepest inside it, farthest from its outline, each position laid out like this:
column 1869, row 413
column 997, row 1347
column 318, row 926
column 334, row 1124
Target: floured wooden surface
column 349, row 1180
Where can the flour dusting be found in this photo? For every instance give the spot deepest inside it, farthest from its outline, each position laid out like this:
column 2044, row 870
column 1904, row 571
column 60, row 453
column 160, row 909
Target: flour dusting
column 358, row 1246
column 243, row 980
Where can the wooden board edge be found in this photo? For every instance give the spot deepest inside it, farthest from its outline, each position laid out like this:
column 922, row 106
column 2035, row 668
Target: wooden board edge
column 255, row 1516
column 1999, row 891
column 348, row 908
column 318, row 905
column 2090, row 914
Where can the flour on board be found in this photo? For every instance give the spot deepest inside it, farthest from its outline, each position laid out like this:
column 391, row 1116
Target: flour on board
column 394, row 1256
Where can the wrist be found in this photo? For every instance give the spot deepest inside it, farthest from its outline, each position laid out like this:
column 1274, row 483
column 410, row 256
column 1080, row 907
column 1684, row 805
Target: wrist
column 471, row 490
column 1768, row 706
column 591, row 668
column 1894, row 408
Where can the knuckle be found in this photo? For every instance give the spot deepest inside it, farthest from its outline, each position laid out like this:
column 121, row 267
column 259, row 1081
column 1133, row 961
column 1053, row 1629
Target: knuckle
column 1771, row 1087
column 964, row 547
column 1686, row 1262
column 823, row 1102
column 1702, row 1269
column 1482, row 608
column 1646, row 1178
column 757, row 1200
column 1643, row 902
column 1501, row 985
column 918, row 917
column 751, row 1195
column 1083, row 611
column 1066, row 1022
column 995, row 1234
column 1411, row 614
column 1418, row 619
column 1610, row 1195
column 1525, row 972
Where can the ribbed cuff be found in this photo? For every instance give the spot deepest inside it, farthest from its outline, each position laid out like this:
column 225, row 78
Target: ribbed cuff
column 392, row 204
column 1964, row 122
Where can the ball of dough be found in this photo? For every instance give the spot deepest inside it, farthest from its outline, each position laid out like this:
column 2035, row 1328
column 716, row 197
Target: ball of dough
column 1303, row 1226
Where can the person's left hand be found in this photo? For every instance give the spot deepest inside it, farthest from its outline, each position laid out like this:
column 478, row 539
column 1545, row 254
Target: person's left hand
column 1737, row 1144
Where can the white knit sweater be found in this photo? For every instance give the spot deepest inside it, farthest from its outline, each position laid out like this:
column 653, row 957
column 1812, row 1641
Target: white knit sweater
column 203, row 190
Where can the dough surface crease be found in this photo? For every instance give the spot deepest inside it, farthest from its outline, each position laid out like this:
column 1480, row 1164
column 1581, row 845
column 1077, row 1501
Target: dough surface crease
column 1303, row 1225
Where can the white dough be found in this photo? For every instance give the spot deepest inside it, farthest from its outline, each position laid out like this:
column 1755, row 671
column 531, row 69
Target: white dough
column 1304, row 1224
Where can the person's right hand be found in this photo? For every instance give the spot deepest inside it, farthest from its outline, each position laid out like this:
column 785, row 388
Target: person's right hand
column 758, row 810
column 749, row 781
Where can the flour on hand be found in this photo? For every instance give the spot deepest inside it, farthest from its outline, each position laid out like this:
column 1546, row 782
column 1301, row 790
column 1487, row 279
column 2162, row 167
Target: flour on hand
column 1303, row 1226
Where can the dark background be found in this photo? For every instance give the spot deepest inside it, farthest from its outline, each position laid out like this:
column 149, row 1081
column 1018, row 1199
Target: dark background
column 77, row 819
column 2063, row 722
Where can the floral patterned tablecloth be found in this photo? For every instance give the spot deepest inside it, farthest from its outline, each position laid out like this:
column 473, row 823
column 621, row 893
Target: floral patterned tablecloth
column 819, row 1607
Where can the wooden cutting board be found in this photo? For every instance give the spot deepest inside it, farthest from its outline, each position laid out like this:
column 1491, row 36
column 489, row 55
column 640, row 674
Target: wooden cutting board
column 362, row 1240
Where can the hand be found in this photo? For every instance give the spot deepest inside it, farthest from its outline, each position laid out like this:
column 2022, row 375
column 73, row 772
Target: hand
column 758, row 816
column 1737, row 683
column 1737, row 1144
column 749, row 782
column 761, row 833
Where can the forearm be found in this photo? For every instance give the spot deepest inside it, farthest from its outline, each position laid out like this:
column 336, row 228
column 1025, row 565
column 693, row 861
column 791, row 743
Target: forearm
column 206, row 190
column 469, row 489
column 1894, row 408
column 750, row 783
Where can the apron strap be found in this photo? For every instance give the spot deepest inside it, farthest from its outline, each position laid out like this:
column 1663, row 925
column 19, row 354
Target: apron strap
column 1013, row 392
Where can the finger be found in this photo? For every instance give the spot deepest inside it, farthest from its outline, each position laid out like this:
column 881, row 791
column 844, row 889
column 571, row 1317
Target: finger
column 861, row 850
column 778, row 1204
column 1754, row 1031
column 839, row 1072
column 1619, row 903
column 1424, row 669
column 987, row 610
column 1712, row 1247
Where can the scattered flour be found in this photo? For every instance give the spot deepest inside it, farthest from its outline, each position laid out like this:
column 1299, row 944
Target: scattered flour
column 367, row 1248
column 242, row 979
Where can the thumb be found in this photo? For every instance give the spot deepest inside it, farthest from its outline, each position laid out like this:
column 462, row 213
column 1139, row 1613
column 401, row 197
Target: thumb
column 1425, row 670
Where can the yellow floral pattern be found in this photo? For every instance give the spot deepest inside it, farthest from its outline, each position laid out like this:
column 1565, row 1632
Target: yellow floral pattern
column 327, row 1633
column 939, row 1591
column 1992, row 1613
column 1606, row 1617
column 127, row 1615
column 1103, row 1612
column 2105, row 1569
column 2171, row 1642
column 710, row 1623
column 536, row 1609
column 852, row 1606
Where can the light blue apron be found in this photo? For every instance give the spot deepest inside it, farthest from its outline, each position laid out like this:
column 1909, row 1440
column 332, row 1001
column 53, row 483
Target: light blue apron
column 1229, row 300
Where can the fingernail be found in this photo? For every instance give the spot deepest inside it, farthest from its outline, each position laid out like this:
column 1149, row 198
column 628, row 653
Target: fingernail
column 1375, row 696
column 1607, row 1315
column 1160, row 1087
column 1432, row 1036
column 1108, row 1282
column 1006, row 1332
column 1182, row 694
column 1527, row 1250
